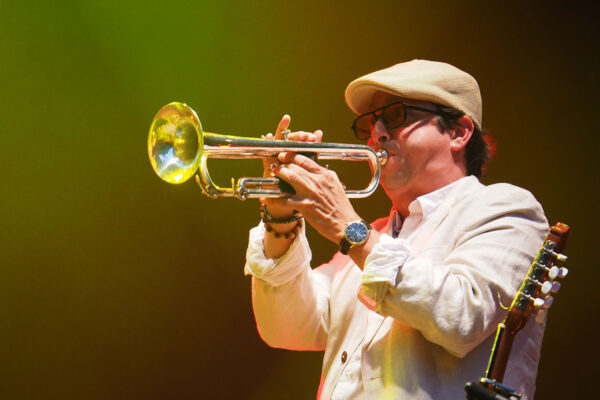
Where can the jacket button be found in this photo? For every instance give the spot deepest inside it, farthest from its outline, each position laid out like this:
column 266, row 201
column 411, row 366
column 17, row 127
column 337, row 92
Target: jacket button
column 344, row 357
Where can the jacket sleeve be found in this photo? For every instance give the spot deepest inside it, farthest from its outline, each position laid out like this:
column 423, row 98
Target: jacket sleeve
column 290, row 300
column 451, row 293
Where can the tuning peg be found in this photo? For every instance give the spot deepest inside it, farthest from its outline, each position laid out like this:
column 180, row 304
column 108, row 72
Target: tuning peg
column 538, row 302
column 540, row 316
column 563, row 272
column 548, row 301
column 546, row 287
column 555, row 287
column 559, row 257
column 553, row 272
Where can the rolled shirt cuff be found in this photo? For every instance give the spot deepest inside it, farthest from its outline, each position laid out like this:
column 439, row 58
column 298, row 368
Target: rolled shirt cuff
column 381, row 269
column 279, row 271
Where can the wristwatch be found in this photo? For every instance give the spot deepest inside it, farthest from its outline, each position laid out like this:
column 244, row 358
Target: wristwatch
column 356, row 233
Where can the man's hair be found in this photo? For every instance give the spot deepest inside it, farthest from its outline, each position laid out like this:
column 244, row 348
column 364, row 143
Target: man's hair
column 480, row 147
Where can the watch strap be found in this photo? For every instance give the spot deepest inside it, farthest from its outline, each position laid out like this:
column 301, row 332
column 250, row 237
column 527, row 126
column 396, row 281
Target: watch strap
column 345, row 246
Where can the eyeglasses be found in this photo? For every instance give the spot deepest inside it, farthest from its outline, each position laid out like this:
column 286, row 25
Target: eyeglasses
column 393, row 115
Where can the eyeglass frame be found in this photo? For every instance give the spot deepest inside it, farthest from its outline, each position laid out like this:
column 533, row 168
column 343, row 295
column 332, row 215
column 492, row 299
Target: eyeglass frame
column 380, row 112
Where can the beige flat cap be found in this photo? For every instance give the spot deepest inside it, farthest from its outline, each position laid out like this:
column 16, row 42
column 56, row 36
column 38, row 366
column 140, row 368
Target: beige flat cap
column 433, row 81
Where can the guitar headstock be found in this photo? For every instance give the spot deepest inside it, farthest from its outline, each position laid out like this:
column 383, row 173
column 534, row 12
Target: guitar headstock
column 535, row 292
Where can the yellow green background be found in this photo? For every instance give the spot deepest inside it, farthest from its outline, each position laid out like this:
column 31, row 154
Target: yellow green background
column 116, row 285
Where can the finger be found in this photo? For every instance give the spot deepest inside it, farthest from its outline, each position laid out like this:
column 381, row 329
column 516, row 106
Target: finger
column 291, row 173
column 300, row 160
column 299, row 178
column 283, row 125
column 318, row 135
column 303, row 136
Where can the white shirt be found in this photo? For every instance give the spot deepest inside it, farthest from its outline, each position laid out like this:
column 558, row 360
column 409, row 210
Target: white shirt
column 350, row 384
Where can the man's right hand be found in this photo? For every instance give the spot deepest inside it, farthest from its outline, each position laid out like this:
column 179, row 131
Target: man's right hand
column 276, row 247
column 277, row 210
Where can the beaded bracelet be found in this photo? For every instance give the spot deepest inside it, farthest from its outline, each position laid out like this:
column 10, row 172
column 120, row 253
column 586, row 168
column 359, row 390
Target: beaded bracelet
column 288, row 235
column 266, row 217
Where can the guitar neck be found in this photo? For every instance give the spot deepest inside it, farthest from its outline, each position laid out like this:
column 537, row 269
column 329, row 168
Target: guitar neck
column 525, row 301
column 500, row 352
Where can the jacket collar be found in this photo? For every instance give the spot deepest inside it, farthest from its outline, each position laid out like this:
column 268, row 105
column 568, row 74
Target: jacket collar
column 434, row 204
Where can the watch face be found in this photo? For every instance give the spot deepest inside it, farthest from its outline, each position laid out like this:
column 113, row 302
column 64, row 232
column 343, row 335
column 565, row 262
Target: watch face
column 357, row 232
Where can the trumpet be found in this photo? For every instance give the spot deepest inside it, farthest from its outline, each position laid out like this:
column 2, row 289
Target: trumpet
column 178, row 147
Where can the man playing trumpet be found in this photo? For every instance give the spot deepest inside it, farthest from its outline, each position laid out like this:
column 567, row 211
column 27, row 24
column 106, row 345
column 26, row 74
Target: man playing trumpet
column 408, row 307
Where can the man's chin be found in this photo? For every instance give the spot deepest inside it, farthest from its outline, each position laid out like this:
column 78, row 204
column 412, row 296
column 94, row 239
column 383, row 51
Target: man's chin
column 391, row 183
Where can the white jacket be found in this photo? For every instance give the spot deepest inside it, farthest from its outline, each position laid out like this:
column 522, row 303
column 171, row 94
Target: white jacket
column 432, row 330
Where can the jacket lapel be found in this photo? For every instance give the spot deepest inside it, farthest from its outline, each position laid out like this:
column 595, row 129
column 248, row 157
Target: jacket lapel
column 432, row 222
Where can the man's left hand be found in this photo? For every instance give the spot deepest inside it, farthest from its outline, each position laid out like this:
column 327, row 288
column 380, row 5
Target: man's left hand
column 320, row 195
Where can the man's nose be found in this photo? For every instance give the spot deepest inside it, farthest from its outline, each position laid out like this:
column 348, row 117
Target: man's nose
column 380, row 133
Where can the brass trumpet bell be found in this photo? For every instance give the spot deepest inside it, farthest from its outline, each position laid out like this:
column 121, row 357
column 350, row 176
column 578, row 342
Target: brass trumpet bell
column 175, row 143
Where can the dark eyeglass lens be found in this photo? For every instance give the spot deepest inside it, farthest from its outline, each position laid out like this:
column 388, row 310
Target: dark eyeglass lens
column 394, row 116
column 362, row 128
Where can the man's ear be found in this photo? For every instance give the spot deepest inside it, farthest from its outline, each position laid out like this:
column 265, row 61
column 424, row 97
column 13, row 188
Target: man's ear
column 461, row 134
